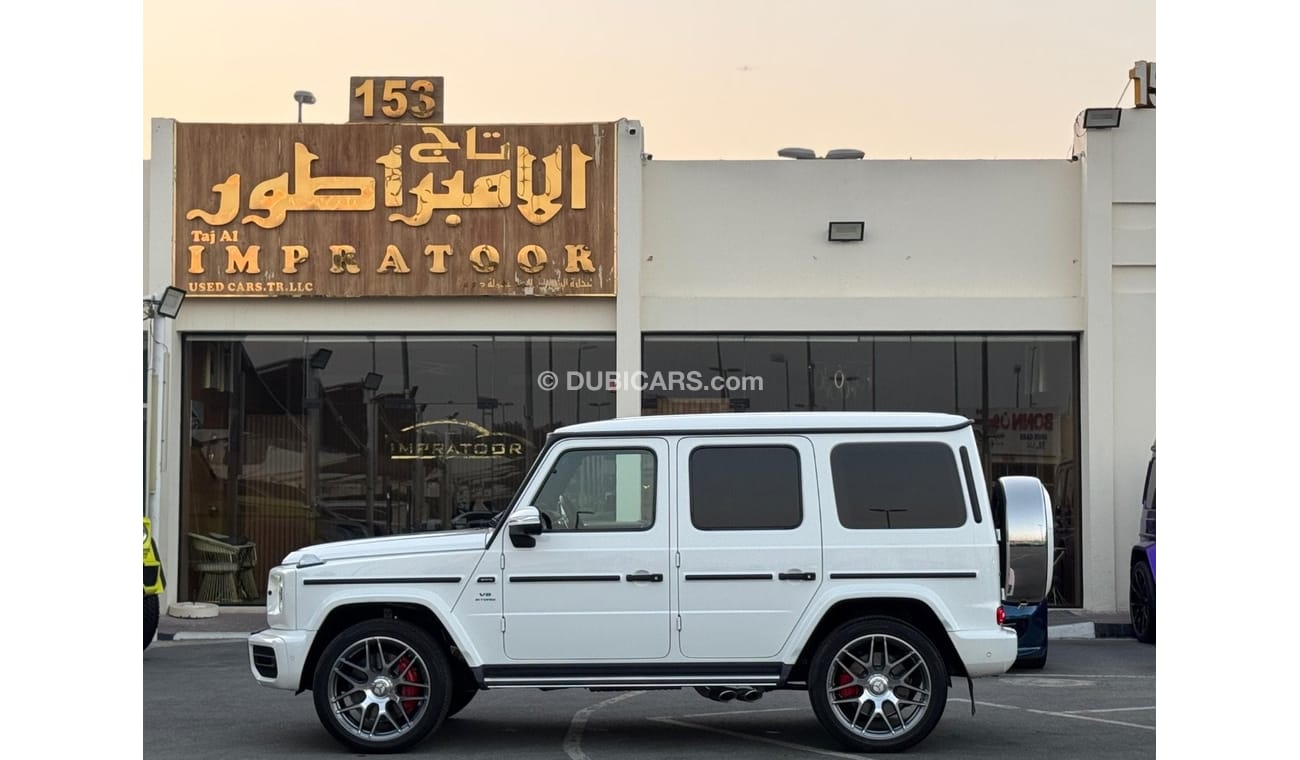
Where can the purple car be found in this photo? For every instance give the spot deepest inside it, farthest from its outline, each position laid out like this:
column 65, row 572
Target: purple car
column 1142, row 563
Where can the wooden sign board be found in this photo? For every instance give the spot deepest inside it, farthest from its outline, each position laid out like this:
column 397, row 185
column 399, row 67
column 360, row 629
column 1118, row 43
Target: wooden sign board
column 381, row 99
column 394, row 210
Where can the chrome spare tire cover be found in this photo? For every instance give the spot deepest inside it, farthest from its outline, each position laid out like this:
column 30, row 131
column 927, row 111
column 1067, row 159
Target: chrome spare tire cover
column 1023, row 512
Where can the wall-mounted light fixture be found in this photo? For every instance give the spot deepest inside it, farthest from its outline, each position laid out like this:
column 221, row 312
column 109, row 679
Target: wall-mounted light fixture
column 373, row 381
column 1101, row 118
column 170, row 303
column 845, row 232
column 166, row 305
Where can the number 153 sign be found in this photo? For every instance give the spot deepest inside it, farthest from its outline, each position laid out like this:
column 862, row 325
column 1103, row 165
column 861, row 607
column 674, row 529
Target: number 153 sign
column 385, row 99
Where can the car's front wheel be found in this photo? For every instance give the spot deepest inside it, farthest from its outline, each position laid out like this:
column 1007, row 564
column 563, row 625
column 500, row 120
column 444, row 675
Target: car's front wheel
column 1142, row 602
column 878, row 685
column 382, row 686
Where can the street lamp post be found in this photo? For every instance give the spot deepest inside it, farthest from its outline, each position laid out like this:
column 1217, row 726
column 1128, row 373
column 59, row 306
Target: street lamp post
column 161, row 310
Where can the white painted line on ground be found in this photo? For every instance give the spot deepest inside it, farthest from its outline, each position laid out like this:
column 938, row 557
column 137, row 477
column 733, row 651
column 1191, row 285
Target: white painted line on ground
column 1071, row 715
column 1109, row 710
column 573, row 739
column 213, row 635
column 763, row 739
column 1072, row 631
column 1089, row 717
column 735, row 712
column 1071, row 675
column 966, row 701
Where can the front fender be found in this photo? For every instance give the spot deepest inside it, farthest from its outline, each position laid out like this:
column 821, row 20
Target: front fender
column 437, row 603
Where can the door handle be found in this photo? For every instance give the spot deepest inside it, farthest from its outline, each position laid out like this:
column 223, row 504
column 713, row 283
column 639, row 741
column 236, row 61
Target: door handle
column 644, row 577
column 797, row 575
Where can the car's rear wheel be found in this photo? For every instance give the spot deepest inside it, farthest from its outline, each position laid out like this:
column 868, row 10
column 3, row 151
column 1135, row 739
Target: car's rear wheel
column 1142, row 602
column 382, row 686
column 878, row 684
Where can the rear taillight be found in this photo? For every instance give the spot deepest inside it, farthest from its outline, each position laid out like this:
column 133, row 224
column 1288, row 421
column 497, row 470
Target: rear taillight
column 1002, row 615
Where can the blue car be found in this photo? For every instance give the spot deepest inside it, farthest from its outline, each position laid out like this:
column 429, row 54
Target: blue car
column 1142, row 563
column 1030, row 622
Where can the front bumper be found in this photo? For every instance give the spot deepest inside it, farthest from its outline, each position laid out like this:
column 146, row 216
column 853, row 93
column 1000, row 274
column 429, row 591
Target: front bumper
column 277, row 657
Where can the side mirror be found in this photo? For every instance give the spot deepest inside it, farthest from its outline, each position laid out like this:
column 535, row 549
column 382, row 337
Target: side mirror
column 523, row 525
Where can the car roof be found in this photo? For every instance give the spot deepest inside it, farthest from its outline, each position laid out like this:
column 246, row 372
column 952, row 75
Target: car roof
column 777, row 422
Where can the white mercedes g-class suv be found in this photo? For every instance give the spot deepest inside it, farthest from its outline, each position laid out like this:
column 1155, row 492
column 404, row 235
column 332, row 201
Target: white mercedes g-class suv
column 857, row 556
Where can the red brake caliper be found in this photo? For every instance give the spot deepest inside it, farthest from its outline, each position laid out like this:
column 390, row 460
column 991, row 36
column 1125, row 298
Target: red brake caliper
column 847, row 692
column 409, row 689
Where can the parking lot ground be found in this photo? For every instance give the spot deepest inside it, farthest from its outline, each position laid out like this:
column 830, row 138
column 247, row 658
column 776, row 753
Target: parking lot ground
column 1095, row 698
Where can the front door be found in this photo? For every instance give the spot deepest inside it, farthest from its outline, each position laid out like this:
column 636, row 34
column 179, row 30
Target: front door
column 595, row 585
column 749, row 533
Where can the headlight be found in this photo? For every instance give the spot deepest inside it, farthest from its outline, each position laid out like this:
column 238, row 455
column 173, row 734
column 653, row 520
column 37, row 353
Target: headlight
column 275, row 593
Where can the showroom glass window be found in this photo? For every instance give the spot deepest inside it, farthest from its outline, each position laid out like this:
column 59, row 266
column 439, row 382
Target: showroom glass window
column 1022, row 391
column 301, row 439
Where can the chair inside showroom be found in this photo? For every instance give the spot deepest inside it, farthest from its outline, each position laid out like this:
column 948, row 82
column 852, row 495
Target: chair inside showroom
column 249, row 589
column 218, row 566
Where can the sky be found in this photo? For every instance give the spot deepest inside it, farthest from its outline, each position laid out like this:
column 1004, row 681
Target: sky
column 708, row 79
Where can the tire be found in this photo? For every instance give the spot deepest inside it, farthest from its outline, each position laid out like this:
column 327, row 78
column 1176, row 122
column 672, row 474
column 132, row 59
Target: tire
column 364, row 668
column 150, row 618
column 875, row 663
column 1142, row 602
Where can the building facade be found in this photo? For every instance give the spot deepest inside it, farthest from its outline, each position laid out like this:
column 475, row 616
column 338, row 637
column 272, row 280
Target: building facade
column 1020, row 294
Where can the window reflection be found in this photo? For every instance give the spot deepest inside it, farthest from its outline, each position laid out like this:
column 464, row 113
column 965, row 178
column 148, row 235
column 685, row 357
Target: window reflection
column 1021, row 391
column 296, row 440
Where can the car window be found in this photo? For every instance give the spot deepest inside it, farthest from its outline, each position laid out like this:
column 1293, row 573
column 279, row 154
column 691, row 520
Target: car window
column 897, row 485
column 595, row 490
column 745, row 488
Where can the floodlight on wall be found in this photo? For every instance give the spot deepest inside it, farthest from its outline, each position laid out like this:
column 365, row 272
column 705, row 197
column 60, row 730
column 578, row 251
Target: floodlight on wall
column 321, row 358
column 1101, row 118
column 167, row 305
column 846, row 232
column 373, row 381
column 845, row 153
column 796, row 153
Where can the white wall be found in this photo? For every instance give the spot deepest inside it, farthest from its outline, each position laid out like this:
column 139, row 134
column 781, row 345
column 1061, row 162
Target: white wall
column 1118, row 217
column 934, row 229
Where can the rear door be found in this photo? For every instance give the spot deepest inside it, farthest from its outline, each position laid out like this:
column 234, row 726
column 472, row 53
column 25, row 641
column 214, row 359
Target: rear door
column 748, row 543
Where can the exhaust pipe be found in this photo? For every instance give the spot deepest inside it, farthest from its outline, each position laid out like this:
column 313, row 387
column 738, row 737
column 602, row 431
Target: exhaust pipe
column 717, row 693
column 750, row 694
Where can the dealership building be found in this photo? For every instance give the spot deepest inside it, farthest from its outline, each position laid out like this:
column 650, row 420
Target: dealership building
column 383, row 322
